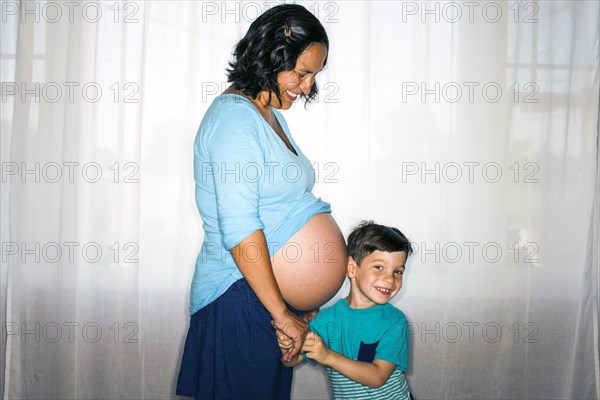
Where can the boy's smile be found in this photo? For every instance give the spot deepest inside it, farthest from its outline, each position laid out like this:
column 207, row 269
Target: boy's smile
column 377, row 280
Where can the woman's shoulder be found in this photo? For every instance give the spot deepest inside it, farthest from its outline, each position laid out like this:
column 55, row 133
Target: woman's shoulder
column 230, row 120
column 229, row 105
column 230, row 113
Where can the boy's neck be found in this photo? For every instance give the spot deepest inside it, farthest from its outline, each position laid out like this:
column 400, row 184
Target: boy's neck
column 354, row 301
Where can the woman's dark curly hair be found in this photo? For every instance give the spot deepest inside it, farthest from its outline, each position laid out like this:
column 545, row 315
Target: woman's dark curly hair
column 273, row 44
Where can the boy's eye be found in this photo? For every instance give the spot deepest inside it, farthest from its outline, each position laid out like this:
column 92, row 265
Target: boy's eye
column 378, row 267
column 399, row 272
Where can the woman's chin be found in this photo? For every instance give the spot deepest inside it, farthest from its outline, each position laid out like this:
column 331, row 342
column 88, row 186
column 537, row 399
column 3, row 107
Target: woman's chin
column 286, row 105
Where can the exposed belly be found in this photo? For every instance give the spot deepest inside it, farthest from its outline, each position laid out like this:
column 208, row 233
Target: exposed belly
column 310, row 268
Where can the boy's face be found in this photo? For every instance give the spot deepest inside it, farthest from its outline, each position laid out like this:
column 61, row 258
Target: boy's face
column 377, row 279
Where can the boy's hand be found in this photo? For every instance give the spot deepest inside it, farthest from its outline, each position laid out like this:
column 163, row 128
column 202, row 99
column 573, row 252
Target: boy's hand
column 315, row 348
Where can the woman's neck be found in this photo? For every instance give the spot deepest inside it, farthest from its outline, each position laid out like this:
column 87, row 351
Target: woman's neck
column 261, row 104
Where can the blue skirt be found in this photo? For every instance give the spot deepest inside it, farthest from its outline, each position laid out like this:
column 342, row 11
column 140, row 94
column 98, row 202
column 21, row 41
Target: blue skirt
column 231, row 351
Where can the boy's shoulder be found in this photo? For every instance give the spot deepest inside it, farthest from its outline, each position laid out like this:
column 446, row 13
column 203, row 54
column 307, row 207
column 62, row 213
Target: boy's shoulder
column 337, row 307
column 387, row 311
column 392, row 311
column 331, row 313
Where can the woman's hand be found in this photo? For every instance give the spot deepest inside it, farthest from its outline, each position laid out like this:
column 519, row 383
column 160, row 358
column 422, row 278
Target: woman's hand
column 294, row 328
column 259, row 275
column 307, row 316
column 315, row 348
column 284, row 342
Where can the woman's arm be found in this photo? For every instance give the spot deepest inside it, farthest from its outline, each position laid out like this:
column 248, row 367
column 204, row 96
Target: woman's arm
column 252, row 258
column 372, row 374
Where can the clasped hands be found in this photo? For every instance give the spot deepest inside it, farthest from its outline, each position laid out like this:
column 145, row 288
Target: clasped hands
column 294, row 338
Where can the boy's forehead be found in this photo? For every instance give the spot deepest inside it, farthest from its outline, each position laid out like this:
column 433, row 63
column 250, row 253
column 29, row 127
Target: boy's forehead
column 395, row 257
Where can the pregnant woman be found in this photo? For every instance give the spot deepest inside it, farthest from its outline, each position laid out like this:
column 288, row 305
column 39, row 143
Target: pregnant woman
column 271, row 248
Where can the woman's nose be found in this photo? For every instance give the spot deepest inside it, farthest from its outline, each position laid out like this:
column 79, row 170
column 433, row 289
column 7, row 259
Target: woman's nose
column 306, row 86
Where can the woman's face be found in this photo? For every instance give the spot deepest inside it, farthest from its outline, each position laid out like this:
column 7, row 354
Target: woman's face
column 301, row 78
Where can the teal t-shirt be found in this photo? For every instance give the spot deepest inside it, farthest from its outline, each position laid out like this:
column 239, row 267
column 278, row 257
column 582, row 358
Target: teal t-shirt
column 379, row 332
column 246, row 179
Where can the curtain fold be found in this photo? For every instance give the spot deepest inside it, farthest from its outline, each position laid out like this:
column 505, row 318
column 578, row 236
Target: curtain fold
column 471, row 126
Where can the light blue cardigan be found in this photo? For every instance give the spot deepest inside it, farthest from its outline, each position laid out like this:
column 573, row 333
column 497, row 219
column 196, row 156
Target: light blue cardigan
column 246, row 179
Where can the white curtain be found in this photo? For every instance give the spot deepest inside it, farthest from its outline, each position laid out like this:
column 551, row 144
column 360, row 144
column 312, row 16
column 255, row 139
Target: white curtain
column 471, row 126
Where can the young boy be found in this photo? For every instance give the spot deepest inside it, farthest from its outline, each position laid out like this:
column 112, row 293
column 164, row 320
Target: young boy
column 363, row 340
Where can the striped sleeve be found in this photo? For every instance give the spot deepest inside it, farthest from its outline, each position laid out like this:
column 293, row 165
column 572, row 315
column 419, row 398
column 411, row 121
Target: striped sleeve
column 395, row 388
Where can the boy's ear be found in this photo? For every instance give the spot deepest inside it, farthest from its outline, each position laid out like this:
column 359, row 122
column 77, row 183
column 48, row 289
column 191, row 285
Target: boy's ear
column 351, row 267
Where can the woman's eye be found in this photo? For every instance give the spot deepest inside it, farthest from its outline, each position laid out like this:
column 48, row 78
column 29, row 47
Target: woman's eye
column 378, row 267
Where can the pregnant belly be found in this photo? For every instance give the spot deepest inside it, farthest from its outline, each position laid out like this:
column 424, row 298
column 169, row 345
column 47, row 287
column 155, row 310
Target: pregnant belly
column 310, row 268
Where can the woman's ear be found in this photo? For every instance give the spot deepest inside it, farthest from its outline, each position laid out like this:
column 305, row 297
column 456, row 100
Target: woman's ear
column 351, row 267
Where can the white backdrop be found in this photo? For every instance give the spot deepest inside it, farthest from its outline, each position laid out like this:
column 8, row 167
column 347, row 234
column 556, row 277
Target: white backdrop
column 471, row 126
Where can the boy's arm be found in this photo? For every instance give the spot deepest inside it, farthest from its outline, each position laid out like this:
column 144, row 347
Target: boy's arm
column 293, row 362
column 372, row 374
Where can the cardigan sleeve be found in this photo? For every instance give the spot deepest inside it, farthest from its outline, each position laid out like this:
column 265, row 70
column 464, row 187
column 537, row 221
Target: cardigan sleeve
column 235, row 157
